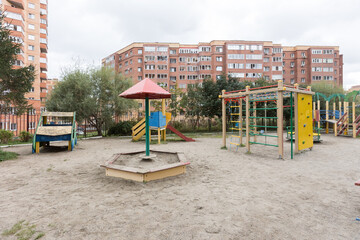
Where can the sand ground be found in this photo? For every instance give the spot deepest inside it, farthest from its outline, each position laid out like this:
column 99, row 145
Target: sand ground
column 224, row 194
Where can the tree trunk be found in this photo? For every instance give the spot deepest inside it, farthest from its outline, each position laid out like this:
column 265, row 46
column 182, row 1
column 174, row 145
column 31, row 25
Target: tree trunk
column 209, row 124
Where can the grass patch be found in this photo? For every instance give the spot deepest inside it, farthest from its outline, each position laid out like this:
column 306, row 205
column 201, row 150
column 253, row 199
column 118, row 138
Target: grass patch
column 7, row 155
column 23, row 231
column 16, row 142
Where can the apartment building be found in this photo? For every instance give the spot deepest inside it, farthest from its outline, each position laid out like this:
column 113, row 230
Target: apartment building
column 27, row 20
column 169, row 64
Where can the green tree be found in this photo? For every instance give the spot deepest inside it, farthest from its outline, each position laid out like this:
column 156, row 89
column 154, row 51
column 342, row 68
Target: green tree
column 174, row 101
column 93, row 94
column 191, row 105
column 15, row 82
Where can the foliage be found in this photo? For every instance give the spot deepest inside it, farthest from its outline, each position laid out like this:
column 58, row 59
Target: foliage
column 5, row 136
column 191, row 105
column 7, row 155
column 24, row 231
column 25, row 136
column 15, row 82
column 122, row 128
column 93, row 94
column 174, row 102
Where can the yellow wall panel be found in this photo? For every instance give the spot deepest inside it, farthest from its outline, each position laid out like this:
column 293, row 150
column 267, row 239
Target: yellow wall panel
column 305, row 121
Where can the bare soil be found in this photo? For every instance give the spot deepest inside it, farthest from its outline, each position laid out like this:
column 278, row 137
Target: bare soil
column 225, row 194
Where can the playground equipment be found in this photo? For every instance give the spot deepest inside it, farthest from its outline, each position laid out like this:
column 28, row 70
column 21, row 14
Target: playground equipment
column 274, row 94
column 159, row 121
column 147, row 89
column 342, row 116
column 55, row 126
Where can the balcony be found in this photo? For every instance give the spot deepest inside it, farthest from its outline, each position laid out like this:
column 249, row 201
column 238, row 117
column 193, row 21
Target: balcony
column 42, row 84
column 43, row 66
column 43, row 94
column 43, row 48
column 17, row 3
column 43, row 77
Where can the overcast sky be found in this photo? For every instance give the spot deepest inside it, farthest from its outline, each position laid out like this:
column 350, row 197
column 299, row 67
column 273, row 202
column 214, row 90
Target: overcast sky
column 90, row 30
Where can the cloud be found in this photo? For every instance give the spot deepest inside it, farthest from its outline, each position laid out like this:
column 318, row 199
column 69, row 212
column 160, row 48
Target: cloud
column 91, row 30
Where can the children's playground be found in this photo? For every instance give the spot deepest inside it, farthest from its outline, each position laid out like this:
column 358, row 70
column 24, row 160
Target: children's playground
column 262, row 178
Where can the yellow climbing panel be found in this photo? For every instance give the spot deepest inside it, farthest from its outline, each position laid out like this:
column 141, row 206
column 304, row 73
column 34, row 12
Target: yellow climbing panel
column 305, row 121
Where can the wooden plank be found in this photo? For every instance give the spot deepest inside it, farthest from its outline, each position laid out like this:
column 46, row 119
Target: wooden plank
column 69, row 145
column 125, row 175
column 37, row 147
column 58, row 114
column 164, row 173
column 296, row 117
column 54, row 130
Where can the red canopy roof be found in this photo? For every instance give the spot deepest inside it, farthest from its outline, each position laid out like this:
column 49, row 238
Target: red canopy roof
column 146, row 88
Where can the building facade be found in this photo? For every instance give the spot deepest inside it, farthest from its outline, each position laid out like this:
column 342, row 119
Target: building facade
column 171, row 64
column 27, row 20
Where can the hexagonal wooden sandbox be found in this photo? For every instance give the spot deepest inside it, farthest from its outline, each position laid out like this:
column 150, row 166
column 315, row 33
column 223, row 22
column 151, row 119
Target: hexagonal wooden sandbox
column 133, row 165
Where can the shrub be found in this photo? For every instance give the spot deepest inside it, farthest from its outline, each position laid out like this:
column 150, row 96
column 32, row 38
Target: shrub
column 122, row 128
column 25, row 136
column 5, row 136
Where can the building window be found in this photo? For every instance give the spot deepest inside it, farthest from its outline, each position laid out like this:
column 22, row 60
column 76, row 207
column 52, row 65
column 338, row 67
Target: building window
column 130, row 61
column 149, row 49
column 292, row 81
column 266, row 59
column 266, row 69
column 173, row 78
column 277, row 59
column 277, row 50
column 303, row 63
column 162, row 58
column 31, row 26
column 31, row 58
column 182, row 85
column 139, row 51
column 277, row 68
column 172, row 51
column 302, row 80
column 205, row 49
column 162, row 49
column 219, row 68
column 182, row 77
column 13, row 127
column 31, row 47
column 292, row 55
column 162, row 67
column 172, row 60
column 43, row 31
column 253, row 66
column 302, row 71
column 31, row 5
column 316, row 51
column 31, row 16
column 316, row 69
column 292, row 72
column 162, row 76
column 236, row 65
column 315, row 78
column 219, row 59
column 328, row 78
column 329, row 51
column 266, row 50
column 218, row 49
column 139, row 69
column 139, row 60
column 31, row 37
column 31, row 125
column 292, row 64
column 42, row 21
column 139, row 78
column 303, row 54
column 173, row 69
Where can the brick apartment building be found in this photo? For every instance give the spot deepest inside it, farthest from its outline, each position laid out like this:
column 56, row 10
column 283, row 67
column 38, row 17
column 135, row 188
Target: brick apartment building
column 169, row 64
column 27, row 20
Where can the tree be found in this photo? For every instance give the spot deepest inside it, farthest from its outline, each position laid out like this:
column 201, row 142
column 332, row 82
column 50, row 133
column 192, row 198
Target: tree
column 93, row 94
column 191, row 104
column 174, row 103
column 15, row 82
